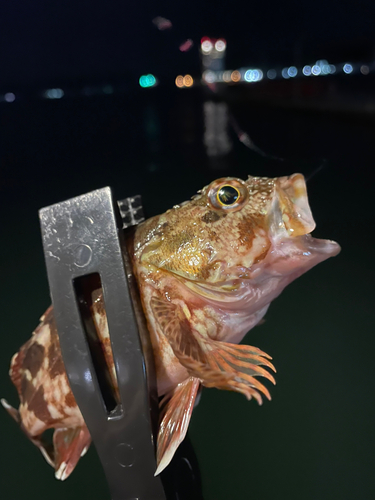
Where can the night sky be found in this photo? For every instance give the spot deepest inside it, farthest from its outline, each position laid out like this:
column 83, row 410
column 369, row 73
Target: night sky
column 44, row 42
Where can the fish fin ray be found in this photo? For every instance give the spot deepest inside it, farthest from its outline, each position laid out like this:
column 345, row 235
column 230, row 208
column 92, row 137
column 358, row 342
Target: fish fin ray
column 245, row 367
column 39, row 440
column 249, row 380
column 69, row 445
column 177, row 329
column 249, row 362
column 206, row 358
column 175, row 421
column 15, row 414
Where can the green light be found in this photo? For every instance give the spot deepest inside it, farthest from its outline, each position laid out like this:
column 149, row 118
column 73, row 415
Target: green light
column 151, row 80
column 147, row 81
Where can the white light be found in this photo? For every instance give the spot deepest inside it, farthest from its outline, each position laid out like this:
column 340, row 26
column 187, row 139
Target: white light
column 220, row 45
column 365, row 70
column 209, row 76
column 226, row 76
column 9, row 97
column 306, row 70
column 316, row 70
column 284, row 73
column 253, row 75
column 271, row 74
column 348, row 68
column 54, row 93
column 207, row 46
column 325, row 68
column 332, row 69
column 292, row 71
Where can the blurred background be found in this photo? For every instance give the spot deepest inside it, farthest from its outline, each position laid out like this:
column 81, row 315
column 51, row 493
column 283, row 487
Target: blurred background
column 159, row 99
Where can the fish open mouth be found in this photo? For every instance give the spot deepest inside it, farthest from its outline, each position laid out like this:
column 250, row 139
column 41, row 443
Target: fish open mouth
column 291, row 223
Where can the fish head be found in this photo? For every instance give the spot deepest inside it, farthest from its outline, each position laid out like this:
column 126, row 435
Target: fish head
column 236, row 235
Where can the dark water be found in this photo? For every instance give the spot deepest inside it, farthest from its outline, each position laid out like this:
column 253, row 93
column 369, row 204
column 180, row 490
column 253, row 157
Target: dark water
column 316, row 438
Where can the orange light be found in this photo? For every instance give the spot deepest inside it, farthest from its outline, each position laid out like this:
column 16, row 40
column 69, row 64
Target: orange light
column 235, row 76
column 188, row 81
column 179, row 81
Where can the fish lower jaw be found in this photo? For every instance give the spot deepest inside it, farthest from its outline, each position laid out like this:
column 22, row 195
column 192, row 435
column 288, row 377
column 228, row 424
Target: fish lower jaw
column 327, row 247
column 299, row 254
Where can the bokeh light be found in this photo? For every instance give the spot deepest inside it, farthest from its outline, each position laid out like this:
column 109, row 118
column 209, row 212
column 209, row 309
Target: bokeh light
column 9, row 97
column 347, row 68
column 271, row 74
column 235, row 76
column 253, row 75
column 316, row 70
column 226, row 76
column 207, row 46
column 188, row 81
column 187, row 45
column 54, row 94
column 179, row 81
column 292, row 71
column 147, row 81
column 220, row 45
column 210, row 76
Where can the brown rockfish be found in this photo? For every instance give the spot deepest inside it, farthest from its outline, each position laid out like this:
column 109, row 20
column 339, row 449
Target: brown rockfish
column 207, row 272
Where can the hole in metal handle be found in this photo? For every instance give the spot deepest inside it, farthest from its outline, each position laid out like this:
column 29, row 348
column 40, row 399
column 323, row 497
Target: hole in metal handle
column 90, row 300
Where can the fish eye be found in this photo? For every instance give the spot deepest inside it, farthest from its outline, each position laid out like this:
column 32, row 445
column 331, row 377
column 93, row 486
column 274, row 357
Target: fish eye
column 227, row 195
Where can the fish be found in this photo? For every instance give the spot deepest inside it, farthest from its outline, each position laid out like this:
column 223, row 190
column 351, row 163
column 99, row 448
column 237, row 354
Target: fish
column 207, row 271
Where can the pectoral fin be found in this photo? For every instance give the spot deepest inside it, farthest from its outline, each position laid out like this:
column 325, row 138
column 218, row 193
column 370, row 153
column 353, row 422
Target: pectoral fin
column 217, row 364
column 175, row 421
